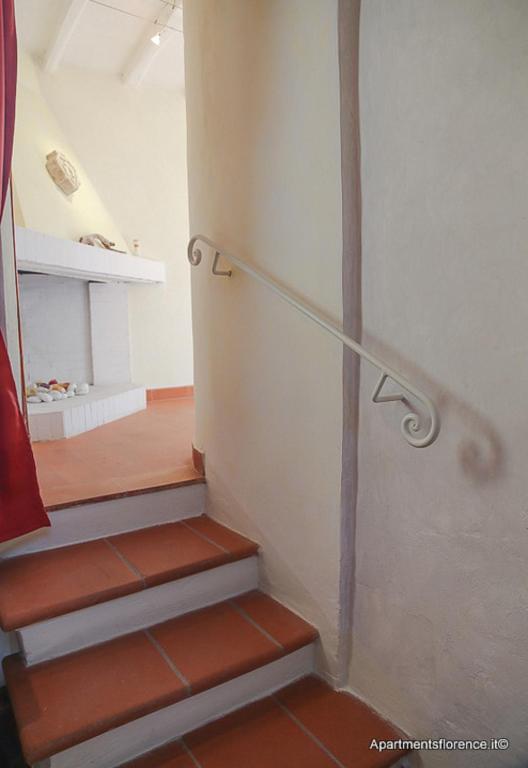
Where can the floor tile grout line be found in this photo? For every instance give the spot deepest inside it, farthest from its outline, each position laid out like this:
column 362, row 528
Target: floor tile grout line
column 161, row 650
column 255, row 624
column 307, row 732
column 206, row 538
column 126, row 562
column 190, row 753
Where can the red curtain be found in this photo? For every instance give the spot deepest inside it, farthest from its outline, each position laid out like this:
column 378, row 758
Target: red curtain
column 21, row 508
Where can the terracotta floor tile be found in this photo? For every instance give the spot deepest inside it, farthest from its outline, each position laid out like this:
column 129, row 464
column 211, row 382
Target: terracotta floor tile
column 54, row 582
column 148, row 449
column 258, row 736
column 171, row 756
column 166, row 552
column 289, row 630
column 343, row 724
column 214, row 645
column 62, row 702
column 224, row 537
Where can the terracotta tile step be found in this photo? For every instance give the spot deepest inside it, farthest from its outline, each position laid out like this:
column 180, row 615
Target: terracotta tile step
column 61, row 703
column 307, row 724
column 51, row 583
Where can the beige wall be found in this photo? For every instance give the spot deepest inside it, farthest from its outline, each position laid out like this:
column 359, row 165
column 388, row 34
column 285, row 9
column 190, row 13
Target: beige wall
column 441, row 606
column 264, row 159
column 40, row 204
column 130, row 148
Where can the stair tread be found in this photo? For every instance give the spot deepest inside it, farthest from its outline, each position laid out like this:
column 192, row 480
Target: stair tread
column 64, row 702
column 51, row 583
column 305, row 724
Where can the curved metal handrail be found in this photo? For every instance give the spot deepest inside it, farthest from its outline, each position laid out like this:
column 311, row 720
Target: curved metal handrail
column 411, row 424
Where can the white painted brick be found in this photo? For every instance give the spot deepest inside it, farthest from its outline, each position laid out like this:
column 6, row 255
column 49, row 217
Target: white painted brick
column 109, row 333
column 56, row 328
column 67, row 418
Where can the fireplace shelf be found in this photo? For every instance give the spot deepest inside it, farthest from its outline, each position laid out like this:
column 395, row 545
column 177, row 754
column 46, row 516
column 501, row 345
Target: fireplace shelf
column 45, row 254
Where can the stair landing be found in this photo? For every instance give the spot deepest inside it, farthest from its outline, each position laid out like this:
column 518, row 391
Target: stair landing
column 144, row 451
column 306, row 724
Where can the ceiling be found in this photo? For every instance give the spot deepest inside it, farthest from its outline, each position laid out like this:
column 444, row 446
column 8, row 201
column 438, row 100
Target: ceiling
column 108, row 39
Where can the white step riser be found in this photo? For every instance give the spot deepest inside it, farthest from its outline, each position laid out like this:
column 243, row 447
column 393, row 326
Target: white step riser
column 105, row 518
column 90, row 626
column 116, row 747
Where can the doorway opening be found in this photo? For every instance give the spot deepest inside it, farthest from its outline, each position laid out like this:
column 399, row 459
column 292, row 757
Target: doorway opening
column 100, row 216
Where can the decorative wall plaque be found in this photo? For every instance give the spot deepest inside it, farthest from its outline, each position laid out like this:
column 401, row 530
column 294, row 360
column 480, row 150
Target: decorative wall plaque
column 62, row 172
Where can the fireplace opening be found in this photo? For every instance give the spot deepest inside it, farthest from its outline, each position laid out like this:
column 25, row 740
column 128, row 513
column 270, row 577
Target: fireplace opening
column 76, row 345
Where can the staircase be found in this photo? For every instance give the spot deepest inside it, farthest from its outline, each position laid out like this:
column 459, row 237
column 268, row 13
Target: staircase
column 143, row 640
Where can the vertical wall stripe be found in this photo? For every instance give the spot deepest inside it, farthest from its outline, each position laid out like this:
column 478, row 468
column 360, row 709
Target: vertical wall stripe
column 348, row 20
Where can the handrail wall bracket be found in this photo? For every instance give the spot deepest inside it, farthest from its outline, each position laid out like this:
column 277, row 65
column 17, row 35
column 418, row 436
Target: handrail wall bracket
column 220, row 272
column 412, row 427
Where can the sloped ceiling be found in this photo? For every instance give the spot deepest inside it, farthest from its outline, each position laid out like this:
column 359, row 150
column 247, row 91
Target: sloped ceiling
column 108, row 35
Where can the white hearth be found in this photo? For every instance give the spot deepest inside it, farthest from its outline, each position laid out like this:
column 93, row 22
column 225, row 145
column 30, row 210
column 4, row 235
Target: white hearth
column 67, row 418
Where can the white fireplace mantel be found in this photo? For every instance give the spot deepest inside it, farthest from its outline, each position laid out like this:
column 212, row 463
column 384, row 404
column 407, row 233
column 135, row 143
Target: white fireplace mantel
column 45, row 254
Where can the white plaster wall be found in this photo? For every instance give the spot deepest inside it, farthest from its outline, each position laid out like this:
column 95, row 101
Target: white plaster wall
column 264, row 174
column 133, row 142
column 441, row 607
column 55, row 314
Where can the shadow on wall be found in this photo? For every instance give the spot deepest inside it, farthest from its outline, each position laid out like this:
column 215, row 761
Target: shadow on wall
column 479, row 453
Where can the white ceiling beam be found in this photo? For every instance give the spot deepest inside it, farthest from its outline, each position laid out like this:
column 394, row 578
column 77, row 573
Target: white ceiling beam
column 55, row 52
column 145, row 53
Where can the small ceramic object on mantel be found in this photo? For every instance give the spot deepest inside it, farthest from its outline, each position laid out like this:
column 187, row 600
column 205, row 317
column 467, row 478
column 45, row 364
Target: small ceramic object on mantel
column 34, row 399
column 45, row 397
column 99, row 241
column 82, row 389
